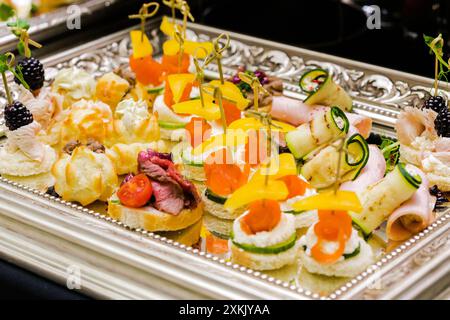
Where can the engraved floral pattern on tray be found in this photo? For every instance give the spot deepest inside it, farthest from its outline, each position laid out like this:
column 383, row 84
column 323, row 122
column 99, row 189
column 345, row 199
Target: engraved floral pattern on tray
column 377, row 88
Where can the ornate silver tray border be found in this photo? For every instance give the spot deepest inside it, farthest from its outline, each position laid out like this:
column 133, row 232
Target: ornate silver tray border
column 434, row 240
column 43, row 24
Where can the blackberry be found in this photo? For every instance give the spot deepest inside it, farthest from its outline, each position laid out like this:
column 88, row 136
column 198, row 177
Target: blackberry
column 17, row 115
column 442, row 123
column 440, row 198
column 33, row 73
column 435, row 103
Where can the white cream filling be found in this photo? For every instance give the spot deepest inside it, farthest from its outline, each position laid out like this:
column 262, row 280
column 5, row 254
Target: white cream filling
column 131, row 113
column 78, row 83
column 282, row 232
column 166, row 114
column 329, row 247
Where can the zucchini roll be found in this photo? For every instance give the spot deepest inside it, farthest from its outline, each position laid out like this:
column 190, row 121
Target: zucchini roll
column 324, row 127
column 382, row 198
column 322, row 90
column 320, row 169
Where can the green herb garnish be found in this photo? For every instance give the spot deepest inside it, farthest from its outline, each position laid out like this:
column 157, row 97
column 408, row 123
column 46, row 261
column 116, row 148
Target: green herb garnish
column 6, row 12
column 391, row 152
column 442, row 67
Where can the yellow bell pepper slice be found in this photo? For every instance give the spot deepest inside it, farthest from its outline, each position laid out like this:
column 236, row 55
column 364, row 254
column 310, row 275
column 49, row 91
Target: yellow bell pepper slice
column 231, row 139
column 254, row 124
column 171, row 48
column 167, row 27
column 209, row 111
column 229, row 92
column 279, row 167
column 141, row 45
column 253, row 191
column 342, row 200
column 257, row 190
column 177, row 84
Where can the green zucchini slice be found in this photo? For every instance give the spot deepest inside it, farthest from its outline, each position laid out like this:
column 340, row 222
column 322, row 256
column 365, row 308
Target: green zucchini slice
column 311, row 80
column 357, row 155
column 320, row 169
column 382, row 198
column 275, row 249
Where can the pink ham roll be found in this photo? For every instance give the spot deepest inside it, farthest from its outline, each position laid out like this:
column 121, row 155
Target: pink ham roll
column 292, row 111
column 373, row 172
column 296, row 113
column 361, row 123
column 412, row 216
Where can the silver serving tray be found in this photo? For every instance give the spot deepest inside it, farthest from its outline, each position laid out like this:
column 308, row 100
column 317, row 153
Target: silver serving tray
column 47, row 24
column 104, row 258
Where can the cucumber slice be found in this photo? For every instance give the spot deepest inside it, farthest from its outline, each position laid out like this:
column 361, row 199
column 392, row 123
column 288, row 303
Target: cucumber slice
column 382, row 198
column 171, row 125
column 293, row 212
column 321, row 130
column 187, row 159
column 329, row 94
column 156, row 90
column 311, row 80
column 278, row 248
column 215, row 197
column 352, row 254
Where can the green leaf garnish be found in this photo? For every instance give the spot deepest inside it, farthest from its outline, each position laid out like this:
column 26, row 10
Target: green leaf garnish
column 3, row 63
column 391, row 152
column 442, row 67
column 34, row 8
column 6, row 12
column 18, row 74
column 17, row 25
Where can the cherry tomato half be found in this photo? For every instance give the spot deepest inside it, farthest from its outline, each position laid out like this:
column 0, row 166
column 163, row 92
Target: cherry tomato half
column 136, row 192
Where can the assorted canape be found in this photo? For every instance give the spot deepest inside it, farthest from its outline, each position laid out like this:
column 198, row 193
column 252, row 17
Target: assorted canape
column 305, row 187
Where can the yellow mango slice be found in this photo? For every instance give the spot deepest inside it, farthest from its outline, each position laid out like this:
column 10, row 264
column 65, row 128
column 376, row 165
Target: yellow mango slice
column 209, row 111
column 230, row 92
column 342, row 200
column 256, row 190
column 177, row 84
column 171, row 48
column 141, row 45
column 231, row 139
column 279, row 167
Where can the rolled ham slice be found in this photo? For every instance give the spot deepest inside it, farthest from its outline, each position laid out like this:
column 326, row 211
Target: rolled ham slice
column 296, row 113
column 373, row 172
column 412, row 216
column 361, row 123
column 292, row 111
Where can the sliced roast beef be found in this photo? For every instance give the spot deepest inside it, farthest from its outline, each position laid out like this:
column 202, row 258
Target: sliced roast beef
column 153, row 171
column 168, row 197
column 170, row 183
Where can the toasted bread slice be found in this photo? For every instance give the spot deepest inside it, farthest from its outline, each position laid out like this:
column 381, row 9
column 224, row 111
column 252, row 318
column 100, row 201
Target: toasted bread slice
column 151, row 219
column 188, row 236
column 262, row 262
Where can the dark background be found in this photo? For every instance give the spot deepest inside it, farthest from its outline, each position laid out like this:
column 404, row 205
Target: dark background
column 331, row 26
column 336, row 27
